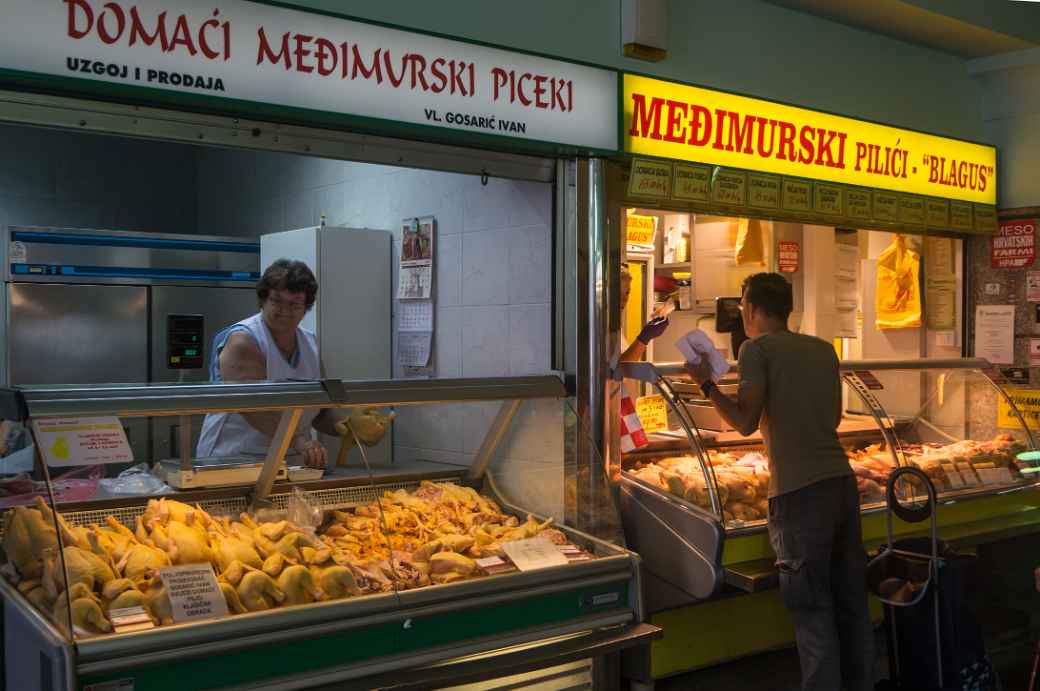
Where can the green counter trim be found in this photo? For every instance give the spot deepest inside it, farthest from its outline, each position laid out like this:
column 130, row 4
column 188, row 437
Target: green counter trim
column 718, row 630
column 969, row 521
column 271, row 661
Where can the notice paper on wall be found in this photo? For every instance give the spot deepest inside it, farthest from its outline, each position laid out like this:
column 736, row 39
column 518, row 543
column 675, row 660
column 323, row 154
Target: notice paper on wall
column 415, row 305
column 995, row 333
column 413, row 348
column 1033, row 286
column 940, row 290
column 940, row 300
column 415, row 281
column 415, row 316
column 846, row 286
column 82, row 441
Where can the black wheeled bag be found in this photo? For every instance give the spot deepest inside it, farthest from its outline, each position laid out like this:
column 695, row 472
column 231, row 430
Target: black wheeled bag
column 964, row 661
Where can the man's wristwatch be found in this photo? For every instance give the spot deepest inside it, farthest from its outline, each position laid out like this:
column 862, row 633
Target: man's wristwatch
column 707, row 387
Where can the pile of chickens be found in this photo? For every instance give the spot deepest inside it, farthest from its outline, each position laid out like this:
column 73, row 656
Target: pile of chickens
column 404, row 540
column 743, row 480
column 999, row 452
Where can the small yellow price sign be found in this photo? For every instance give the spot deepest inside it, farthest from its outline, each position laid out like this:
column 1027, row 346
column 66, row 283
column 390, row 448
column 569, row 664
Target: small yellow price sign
column 652, row 412
column 639, row 230
column 1025, row 399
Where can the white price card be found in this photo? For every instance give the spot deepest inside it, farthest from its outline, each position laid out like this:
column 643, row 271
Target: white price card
column 129, row 619
column 194, row 593
column 533, row 553
column 82, row 441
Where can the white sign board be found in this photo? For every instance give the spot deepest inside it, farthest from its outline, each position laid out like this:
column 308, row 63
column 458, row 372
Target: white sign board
column 995, row 333
column 82, row 441
column 194, row 593
column 247, row 51
column 533, row 553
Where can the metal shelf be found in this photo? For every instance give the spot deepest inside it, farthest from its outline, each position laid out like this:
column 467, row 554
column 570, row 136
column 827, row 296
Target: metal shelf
column 134, row 400
column 650, row 371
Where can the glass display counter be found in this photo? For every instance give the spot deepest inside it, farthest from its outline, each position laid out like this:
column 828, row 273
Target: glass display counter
column 701, row 489
column 694, row 500
column 417, row 567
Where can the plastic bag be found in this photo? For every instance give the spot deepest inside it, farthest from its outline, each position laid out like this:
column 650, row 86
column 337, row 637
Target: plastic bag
column 303, row 510
column 898, row 300
column 750, row 242
column 136, row 480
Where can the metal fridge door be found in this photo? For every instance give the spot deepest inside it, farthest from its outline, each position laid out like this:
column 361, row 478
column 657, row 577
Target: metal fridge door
column 80, row 334
column 219, row 307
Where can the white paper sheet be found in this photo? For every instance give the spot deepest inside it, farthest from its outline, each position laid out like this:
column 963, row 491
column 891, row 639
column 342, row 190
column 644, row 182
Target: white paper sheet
column 995, row 333
column 415, row 316
column 413, row 348
column 415, row 282
column 847, row 261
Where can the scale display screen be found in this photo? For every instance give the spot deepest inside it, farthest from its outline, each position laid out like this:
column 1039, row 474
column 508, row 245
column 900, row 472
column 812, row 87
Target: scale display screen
column 184, row 341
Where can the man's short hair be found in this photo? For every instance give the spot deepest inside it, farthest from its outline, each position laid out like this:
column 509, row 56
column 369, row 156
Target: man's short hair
column 769, row 292
column 291, row 275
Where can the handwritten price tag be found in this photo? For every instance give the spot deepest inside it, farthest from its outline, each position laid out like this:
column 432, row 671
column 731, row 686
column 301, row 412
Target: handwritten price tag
column 652, row 412
column 650, row 179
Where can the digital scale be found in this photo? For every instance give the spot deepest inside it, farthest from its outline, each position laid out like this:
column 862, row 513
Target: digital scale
column 231, row 471
column 227, row 471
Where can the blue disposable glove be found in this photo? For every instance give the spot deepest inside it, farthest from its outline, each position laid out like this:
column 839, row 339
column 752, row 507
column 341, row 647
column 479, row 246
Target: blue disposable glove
column 653, row 329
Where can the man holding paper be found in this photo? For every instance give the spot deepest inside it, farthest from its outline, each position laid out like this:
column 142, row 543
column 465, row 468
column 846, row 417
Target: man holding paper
column 790, row 390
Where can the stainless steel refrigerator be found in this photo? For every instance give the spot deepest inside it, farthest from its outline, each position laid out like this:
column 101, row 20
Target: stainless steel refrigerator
column 97, row 307
column 352, row 317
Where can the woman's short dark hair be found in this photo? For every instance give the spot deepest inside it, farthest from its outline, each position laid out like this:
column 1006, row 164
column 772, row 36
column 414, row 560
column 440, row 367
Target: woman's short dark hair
column 771, row 293
column 291, row 275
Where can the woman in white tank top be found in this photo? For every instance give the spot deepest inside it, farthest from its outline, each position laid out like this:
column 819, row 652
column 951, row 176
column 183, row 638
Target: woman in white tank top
column 269, row 346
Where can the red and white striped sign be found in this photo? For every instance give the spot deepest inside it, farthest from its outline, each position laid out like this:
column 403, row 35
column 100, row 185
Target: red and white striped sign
column 632, row 434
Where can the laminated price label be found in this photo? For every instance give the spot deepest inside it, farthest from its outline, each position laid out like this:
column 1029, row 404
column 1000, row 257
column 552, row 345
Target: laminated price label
column 194, row 593
column 533, row 553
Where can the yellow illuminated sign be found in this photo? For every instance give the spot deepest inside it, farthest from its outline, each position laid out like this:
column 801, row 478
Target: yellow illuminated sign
column 639, row 230
column 1028, row 403
column 688, row 123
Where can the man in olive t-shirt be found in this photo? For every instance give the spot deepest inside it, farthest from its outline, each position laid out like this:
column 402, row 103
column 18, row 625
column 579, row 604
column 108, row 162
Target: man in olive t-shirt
column 790, row 390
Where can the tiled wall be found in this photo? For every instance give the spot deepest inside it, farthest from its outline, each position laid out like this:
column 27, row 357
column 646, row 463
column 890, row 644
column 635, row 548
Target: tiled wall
column 492, row 254
column 77, row 180
column 492, row 286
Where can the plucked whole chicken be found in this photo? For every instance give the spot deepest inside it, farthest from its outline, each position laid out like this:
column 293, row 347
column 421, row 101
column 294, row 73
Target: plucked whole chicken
column 404, row 540
column 743, row 480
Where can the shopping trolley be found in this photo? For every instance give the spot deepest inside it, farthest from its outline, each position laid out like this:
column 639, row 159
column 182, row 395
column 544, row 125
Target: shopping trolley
column 934, row 640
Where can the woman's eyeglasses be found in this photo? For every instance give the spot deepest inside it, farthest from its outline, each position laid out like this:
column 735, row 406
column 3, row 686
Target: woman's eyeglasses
column 288, row 305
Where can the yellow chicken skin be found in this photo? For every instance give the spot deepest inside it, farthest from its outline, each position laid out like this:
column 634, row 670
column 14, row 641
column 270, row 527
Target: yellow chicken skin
column 403, row 540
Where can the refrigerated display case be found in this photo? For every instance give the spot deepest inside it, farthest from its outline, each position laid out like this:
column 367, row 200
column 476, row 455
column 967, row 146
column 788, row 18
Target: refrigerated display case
column 699, row 489
column 417, row 575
